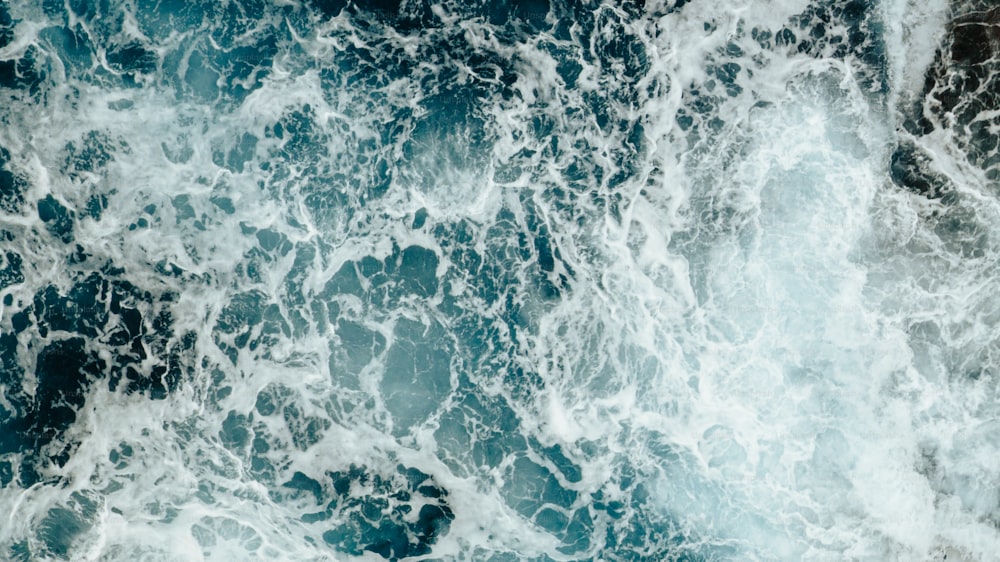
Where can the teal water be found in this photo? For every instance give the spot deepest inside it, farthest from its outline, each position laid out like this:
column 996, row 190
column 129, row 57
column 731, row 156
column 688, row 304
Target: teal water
column 541, row 280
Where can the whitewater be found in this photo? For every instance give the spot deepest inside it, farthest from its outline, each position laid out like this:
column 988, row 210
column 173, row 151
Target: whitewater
column 549, row 280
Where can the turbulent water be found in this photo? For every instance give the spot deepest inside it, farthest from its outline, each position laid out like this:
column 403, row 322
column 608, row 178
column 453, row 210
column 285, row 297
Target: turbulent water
column 532, row 280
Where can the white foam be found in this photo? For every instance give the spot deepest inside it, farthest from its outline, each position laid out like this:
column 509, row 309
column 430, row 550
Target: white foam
column 761, row 381
column 914, row 32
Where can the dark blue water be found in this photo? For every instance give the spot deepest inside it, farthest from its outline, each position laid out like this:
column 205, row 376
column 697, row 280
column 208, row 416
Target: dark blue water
column 324, row 280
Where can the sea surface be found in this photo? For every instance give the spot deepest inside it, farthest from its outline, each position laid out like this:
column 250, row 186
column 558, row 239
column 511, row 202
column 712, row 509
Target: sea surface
column 553, row 280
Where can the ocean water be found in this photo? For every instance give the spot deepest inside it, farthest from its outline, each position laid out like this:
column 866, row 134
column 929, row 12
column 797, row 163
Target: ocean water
column 548, row 280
